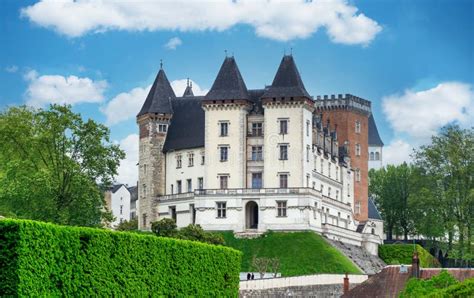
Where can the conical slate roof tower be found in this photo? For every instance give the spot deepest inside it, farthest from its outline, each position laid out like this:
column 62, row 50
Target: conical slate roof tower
column 160, row 96
column 229, row 84
column 287, row 81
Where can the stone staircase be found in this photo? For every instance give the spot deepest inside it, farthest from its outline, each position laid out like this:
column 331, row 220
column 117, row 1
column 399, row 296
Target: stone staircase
column 368, row 263
column 248, row 234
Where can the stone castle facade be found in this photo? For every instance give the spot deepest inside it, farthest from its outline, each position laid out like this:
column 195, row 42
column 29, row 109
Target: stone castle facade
column 256, row 160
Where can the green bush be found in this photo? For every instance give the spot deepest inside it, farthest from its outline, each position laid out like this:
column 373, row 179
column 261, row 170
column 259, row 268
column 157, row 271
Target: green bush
column 164, row 228
column 41, row 259
column 395, row 254
column 463, row 289
column 196, row 233
column 422, row 287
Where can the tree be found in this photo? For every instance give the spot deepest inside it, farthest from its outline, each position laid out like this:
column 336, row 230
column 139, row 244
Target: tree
column 54, row 165
column 449, row 162
column 391, row 187
column 130, row 225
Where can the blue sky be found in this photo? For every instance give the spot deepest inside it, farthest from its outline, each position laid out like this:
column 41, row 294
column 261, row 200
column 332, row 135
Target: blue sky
column 413, row 59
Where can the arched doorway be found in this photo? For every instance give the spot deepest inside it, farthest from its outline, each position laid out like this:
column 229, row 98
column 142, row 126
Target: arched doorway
column 251, row 215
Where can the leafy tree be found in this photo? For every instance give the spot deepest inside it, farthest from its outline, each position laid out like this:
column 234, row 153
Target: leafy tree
column 449, row 162
column 422, row 287
column 128, row 225
column 52, row 163
column 391, row 187
column 196, row 233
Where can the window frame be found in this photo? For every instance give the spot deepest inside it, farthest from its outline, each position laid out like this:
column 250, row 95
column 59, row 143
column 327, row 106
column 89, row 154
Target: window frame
column 282, row 207
column 280, row 179
column 283, row 126
column 283, row 154
column 255, row 130
column 223, row 178
column 223, row 149
column 223, row 128
column 257, row 153
column 221, row 208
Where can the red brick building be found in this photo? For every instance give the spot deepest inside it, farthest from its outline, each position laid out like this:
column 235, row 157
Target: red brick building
column 349, row 116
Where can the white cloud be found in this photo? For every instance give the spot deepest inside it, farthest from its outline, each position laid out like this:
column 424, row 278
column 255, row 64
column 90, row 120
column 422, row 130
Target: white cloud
column 173, row 43
column 126, row 105
column 46, row 89
column 420, row 114
column 11, row 69
column 397, row 152
column 279, row 20
column 128, row 170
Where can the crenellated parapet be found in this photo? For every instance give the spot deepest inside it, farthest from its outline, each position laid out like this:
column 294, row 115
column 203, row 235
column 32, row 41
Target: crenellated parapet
column 342, row 102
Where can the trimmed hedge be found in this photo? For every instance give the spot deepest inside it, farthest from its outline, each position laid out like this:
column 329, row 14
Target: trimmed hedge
column 42, row 259
column 396, row 254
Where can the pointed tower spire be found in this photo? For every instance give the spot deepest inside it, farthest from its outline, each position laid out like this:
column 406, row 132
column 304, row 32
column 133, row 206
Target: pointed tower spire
column 160, row 96
column 189, row 89
column 287, row 81
column 229, row 83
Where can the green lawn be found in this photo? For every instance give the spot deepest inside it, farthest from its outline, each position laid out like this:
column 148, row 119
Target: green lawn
column 299, row 253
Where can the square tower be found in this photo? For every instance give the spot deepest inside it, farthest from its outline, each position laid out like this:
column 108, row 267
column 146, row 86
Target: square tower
column 349, row 116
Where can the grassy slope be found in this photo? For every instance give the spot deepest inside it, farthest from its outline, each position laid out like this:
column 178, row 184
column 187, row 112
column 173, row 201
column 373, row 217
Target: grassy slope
column 299, row 253
column 395, row 254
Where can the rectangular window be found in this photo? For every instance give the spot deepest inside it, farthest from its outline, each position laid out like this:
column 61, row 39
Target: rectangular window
column 178, row 161
column 173, row 213
column 179, row 186
column 283, row 126
column 357, row 126
column 357, row 174
column 322, row 166
column 308, row 152
column 329, row 169
column 144, row 190
column 315, row 210
column 357, row 149
column 172, row 188
column 223, row 181
column 307, row 180
column 357, row 208
column 203, row 159
column 190, row 185
column 144, row 219
column 162, row 127
column 337, row 195
column 224, row 152
column 257, row 153
column 221, row 209
column 308, row 125
column 200, row 183
column 314, row 185
column 224, row 129
column 329, row 192
column 337, row 173
column 281, row 208
column 144, row 169
column 121, row 209
column 257, row 129
column 283, row 152
column 190, row 159
column 192, row 210
column 256, row 180
column 283, row 180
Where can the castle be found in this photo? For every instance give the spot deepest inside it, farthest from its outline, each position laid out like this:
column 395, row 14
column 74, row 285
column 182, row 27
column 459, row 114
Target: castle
column 256, row 160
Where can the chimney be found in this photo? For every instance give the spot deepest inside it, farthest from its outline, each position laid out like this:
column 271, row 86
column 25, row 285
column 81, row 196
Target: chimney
column 415, row 265
column 345, row 288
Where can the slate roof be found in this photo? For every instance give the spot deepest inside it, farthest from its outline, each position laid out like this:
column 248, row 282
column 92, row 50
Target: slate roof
column 229, row 83
column 373, row 212
column 187, row 126
column 188, row 91
column 115, row 187
column 287, row 81
column 160, row 96
column 133, row 193
column 374, row 138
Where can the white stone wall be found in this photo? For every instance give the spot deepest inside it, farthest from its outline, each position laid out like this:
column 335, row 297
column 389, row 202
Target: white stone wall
column 173, row 174
column 375, row 163
column 235, row 115
column 295, row 166
column 298, row 281
column 120, row 198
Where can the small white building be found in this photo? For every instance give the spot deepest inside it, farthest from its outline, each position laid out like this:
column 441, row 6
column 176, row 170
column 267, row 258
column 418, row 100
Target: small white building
column 117, row 199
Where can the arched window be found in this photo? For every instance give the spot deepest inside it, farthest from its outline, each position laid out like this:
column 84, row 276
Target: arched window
column 371, row 156
column 377, row 156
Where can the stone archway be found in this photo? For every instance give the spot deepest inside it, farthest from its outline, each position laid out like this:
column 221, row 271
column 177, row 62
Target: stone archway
column 251, row 215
